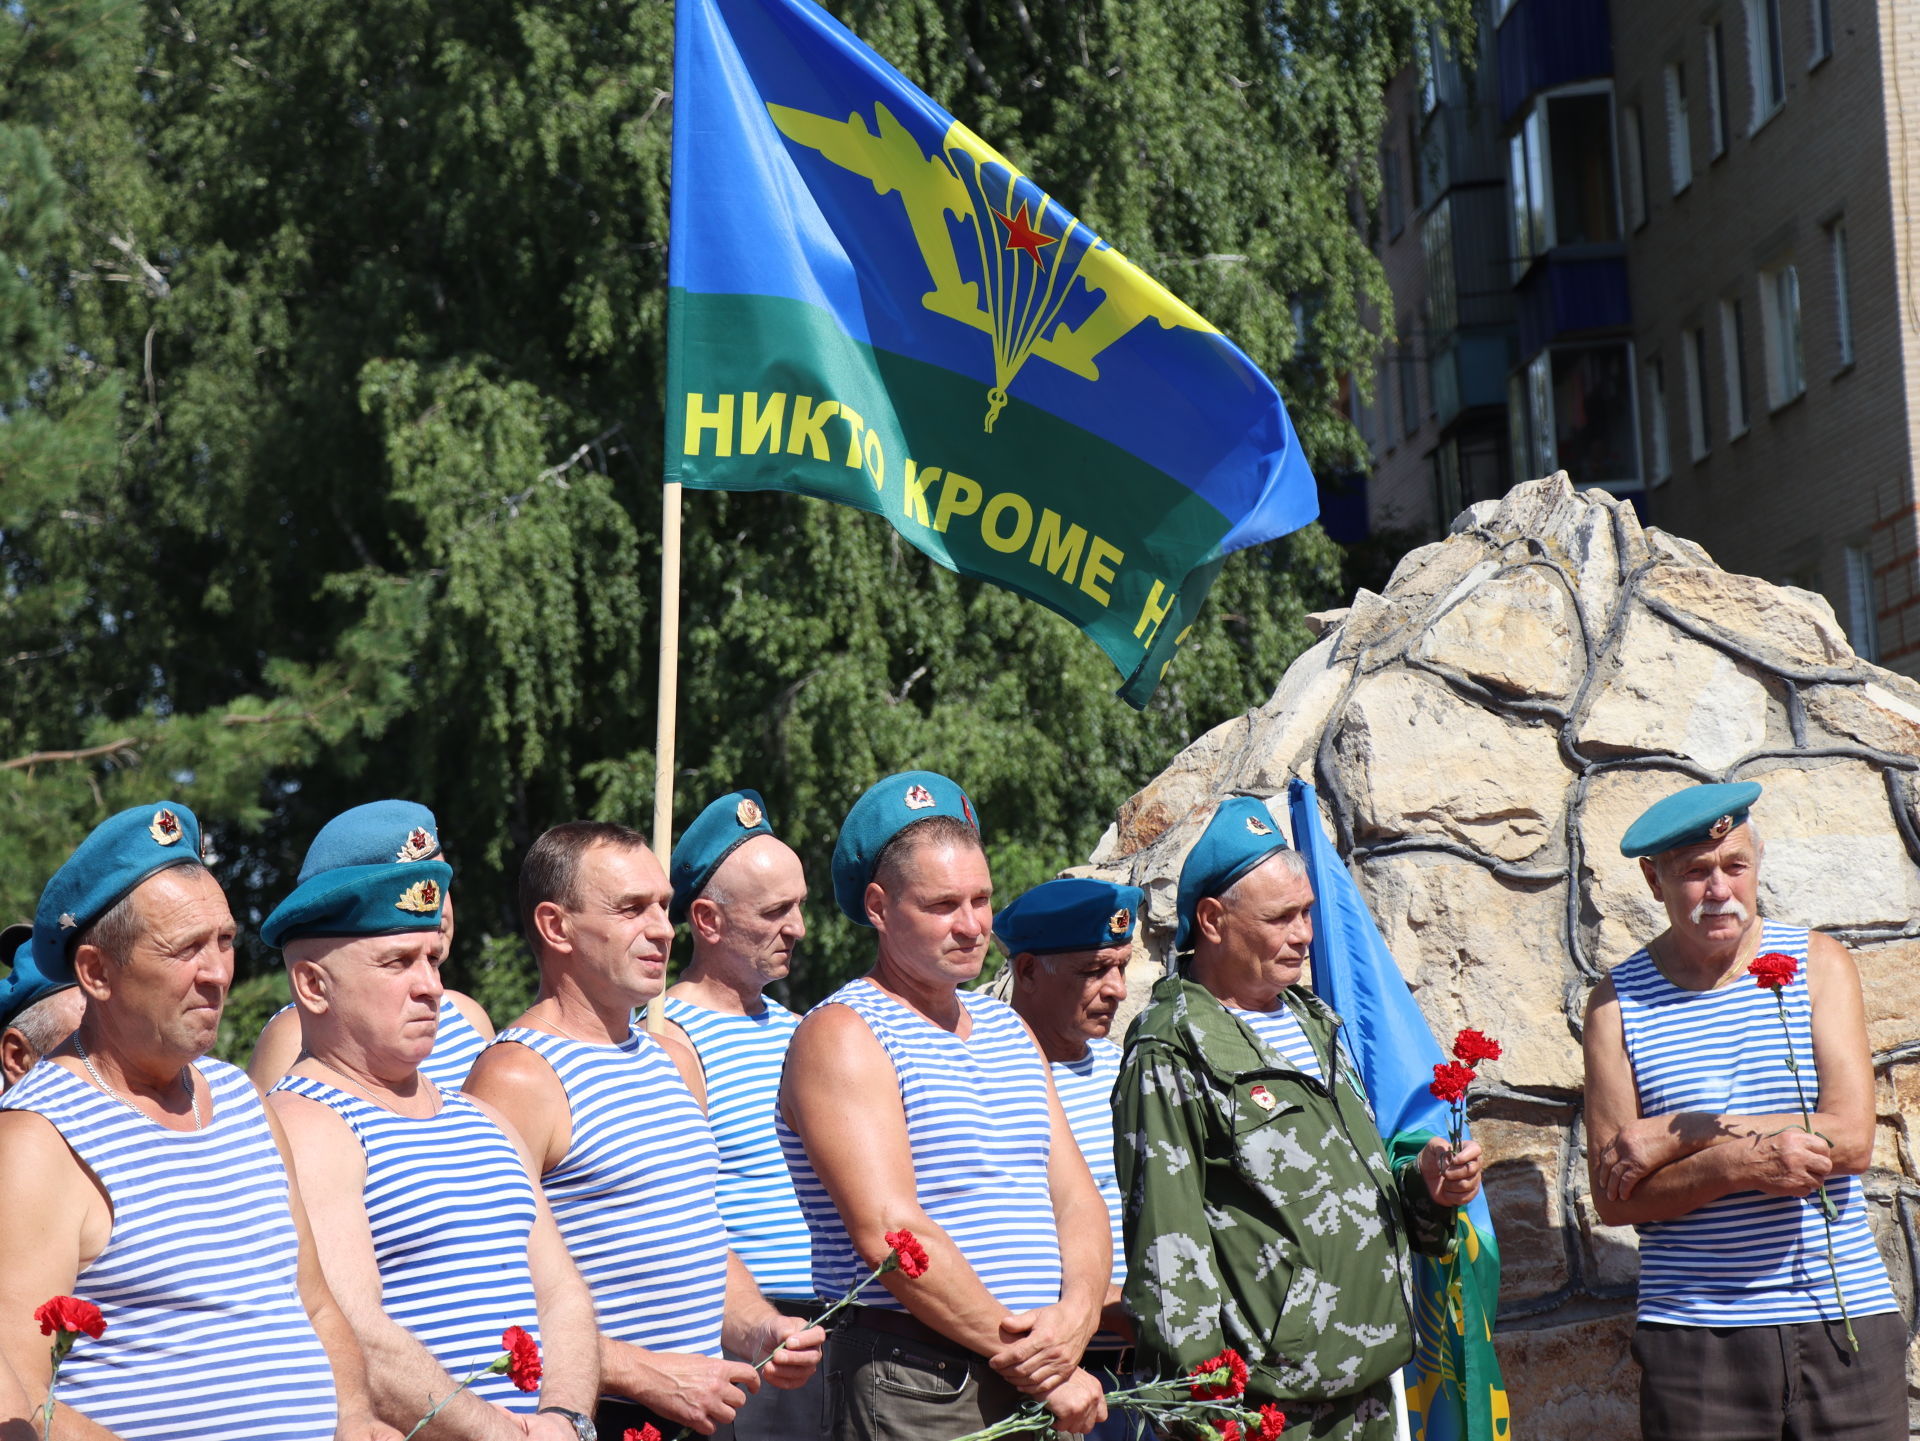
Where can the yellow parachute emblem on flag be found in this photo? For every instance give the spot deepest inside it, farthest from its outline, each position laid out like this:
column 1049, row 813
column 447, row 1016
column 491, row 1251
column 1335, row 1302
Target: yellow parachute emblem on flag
column 1028, row 273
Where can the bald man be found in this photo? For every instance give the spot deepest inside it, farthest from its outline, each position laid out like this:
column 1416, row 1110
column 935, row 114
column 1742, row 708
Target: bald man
column 739, row 889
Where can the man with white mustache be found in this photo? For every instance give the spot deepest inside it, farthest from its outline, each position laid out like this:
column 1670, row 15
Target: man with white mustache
column 1752, row 1221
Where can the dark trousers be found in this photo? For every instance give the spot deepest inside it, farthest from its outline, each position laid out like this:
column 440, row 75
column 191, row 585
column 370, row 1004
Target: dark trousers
column 1773, row 1383
column 883, row 1385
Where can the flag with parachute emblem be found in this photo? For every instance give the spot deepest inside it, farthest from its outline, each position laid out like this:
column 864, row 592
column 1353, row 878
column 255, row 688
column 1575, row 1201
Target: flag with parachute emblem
column 870, row 305
column 1454, row 1388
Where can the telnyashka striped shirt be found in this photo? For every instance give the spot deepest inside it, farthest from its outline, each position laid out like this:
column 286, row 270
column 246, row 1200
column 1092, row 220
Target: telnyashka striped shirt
column 1085, row 1088
column 742, row 1057
column 1280, row 1029
column 981, row 1134
column 1747, row 1259
column 207, row 1338
column 450, row 1206
column 457, row 1044
column 634, row 1195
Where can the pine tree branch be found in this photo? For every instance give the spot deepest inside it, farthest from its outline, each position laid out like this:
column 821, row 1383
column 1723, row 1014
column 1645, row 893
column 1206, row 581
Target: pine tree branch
column 27, row 762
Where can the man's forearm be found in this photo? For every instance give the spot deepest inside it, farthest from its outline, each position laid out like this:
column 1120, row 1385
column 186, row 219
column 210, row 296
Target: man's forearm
column 1675, row 1189
column 1694, row 1131
column 70, row 1425
column 569, row 1350
column 407, row 1383
column 346, row 1359
column 745, row 1320
column 1086, row 1255
column 951, row 1298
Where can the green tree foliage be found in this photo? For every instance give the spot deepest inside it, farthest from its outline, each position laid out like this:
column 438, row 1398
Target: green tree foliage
column 330, row 413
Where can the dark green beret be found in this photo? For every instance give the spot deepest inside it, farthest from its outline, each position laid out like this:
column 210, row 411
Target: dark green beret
column 716, row 833
column 382, row 900
column 116, row 856
column 1690, row 817
column 887, row 809
column 1241, row 834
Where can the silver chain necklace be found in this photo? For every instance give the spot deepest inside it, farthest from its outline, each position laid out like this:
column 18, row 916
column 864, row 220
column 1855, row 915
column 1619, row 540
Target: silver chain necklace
column 186, row 1079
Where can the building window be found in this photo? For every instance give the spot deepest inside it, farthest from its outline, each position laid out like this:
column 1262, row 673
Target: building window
column 1527, row 192
column 1766, row 61
column 1733, row 348
column 1581, row 414
column 1519, row 435
column 1679, row 130
column 1579, row 139
column 1393, row 193
column 1820, row 19
column 1780, row 321
column 1426, row 55
column 1659, row 459
column 1716, row 91
column 1863, row 610
column 1842, row 292
column 1693, row 358
column 1633, row 167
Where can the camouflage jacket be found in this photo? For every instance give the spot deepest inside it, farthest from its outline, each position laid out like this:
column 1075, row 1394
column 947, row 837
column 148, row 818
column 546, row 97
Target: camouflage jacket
column 1260, row 1208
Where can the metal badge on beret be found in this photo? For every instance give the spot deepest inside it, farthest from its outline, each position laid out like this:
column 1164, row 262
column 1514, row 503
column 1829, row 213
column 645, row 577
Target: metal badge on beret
column 919, row 798
column 67, row 922
column 165, row 827
column 420, row 846
column 749, row 814
column 1718, row 830
column 421, row 898
column 1258, row 826
column 1118, row 922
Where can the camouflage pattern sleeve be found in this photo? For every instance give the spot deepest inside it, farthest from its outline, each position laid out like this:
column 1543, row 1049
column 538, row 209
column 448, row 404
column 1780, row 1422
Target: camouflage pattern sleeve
column 1160, row 1137
column 1430, row 1225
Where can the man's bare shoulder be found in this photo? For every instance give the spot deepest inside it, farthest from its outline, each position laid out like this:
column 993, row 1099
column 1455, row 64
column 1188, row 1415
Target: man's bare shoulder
column 315, row 1132
column 506, row 1064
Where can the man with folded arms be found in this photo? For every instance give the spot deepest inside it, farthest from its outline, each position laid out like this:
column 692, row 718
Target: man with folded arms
column 151, row 1180
column 614, row 1119
column 435, row 1236
column 911, row 1104
column 1695, row 1136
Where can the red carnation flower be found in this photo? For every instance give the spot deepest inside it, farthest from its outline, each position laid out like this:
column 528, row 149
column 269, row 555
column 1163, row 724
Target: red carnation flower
column 71, row 1315
column 1229, row 1430
column 911, row 1255
column 1272, row 1421
column 1472, row 1046
column 523, row 1358
column 648, row 1432
column 1210, row 1385
column 1773, row 970
column 1450, row 1081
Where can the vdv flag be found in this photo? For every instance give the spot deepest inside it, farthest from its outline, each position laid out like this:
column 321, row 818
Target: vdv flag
column 1454, row 1390
column 870, row 305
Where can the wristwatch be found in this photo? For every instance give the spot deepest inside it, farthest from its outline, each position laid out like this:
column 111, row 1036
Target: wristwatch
column 582, row 1425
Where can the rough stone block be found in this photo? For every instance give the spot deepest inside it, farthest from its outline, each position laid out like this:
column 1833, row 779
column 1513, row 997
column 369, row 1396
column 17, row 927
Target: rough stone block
column 1572, row 1382
column 1515, row 635
column 1833, row 857
column 1667, row 693
column 1523, row 1148
column 1777, row 625
column 1414, row 758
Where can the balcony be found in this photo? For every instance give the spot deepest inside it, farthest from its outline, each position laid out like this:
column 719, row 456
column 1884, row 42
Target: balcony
column 1544, row 43
column 1573, row 292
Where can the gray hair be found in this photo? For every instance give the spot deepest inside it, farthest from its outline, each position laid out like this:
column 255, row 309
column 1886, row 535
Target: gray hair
column 116, row 929
column 1291, row 861
column 39, row 1024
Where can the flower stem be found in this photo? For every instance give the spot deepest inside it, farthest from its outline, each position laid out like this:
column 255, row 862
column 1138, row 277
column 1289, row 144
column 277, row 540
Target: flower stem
column 1828, row 1211
column 890, row 1264
column 421, row 1425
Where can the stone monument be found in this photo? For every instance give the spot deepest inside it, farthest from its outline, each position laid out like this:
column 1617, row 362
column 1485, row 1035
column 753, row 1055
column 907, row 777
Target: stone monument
column 1480, row 736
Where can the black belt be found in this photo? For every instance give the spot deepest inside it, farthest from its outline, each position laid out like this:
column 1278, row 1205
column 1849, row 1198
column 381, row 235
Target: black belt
column 1117, row 1359
column 808, row 1310
column 899, row 1323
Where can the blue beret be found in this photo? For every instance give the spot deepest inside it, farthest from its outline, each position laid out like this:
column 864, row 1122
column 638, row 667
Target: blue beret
column 1074, row 914
column 27, row 983
column 887, row 809
column 378, row 900
column 716, row 833
column 1690, row 817
column 1241, row 834
column 121, row 852
column 375, row 834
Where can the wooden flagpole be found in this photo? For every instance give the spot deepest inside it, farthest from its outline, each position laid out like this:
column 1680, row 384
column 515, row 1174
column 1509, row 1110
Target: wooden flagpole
column 669, row 702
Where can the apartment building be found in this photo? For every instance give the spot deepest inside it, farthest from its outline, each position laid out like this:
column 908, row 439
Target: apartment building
column 1712, row 266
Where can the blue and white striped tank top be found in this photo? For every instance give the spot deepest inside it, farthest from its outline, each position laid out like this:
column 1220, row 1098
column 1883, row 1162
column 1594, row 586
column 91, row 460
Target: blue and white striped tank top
column 1280, row 1029
column 634, row 1195
column 450, row 1206
column 456, row 1046
column 742, row 1057
column 981, row 1133
column 1748, row 1259
column 206, row 1334
column 1085, row 1088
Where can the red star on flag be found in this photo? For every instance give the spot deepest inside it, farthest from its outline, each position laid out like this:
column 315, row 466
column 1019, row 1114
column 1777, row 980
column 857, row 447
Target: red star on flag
column 1021, row 235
